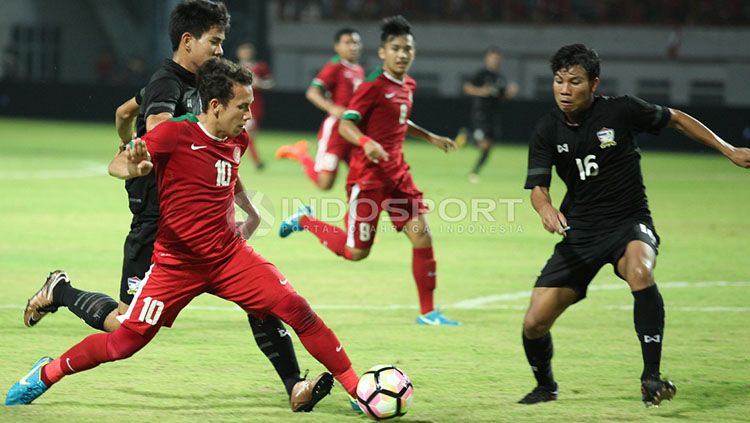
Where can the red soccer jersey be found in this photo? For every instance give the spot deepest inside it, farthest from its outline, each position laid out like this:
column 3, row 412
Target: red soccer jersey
column 339, row 78
column 260, row 70
column 381, row 107
column 195, row 174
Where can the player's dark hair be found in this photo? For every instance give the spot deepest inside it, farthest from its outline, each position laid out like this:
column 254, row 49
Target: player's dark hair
column 394, row 26
column 196, row 17
column 576, row 54
column 217, row 76
column 343, row 31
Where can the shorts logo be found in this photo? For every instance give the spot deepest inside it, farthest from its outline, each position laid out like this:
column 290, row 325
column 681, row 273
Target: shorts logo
column 606, row 137
column 284, row 282
column 133, row 284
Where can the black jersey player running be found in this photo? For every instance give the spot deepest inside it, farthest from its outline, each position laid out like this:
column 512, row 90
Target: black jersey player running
column 197, row 30
column 604, row 217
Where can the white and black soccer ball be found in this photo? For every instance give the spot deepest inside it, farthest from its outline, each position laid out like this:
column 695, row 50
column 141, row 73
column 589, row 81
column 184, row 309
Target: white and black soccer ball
column 384, row 392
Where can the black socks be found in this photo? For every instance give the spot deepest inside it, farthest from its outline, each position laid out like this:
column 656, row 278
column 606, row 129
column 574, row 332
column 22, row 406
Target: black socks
column 92, row 307
column 276, row 343
column 648, row 316
column 539, row 355
column 482, row 159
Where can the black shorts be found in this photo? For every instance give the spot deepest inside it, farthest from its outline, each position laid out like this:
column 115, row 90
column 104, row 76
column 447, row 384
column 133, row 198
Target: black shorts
column 580, row 255
column 139, row 246
column 486, row 125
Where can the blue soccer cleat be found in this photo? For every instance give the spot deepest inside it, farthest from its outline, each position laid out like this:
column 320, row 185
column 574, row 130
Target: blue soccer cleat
column 436, row 318
column 292, row 223
column 30, row 387
column 355, row 405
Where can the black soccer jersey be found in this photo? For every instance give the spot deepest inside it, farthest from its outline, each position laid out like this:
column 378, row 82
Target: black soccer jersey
column 171, row 89
column 497, row 81
column 598, row 160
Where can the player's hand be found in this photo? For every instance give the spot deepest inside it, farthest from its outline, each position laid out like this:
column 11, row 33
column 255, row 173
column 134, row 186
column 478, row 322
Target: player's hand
column 740, row 157
column 243, row 230
column 336, row 111
column 375, row 152
column 138, row 157
column 554, row 221
column 444, row 143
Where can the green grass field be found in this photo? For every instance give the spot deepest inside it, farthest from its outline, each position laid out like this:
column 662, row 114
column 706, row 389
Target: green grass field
column 59, row 209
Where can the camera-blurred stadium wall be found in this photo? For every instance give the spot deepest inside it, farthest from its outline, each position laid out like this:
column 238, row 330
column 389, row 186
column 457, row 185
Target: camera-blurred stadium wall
column 79, row 59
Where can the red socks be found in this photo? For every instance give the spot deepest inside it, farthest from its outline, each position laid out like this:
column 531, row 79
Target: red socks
column 308, row 164
column 93, row 351
column 332, row 237
column 423, row 267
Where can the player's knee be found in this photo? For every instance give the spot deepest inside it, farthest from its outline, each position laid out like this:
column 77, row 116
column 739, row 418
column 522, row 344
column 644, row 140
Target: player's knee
column 640, row 276
column 123, row 343
column 534, row 327
column 358, row 254
column 295, row 311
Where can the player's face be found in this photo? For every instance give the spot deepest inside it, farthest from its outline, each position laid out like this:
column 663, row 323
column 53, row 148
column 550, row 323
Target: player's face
column 349, row 47
column 398, row 55
column 207, row 46
column 233, row 116
column 492, row 61
column 573, row 89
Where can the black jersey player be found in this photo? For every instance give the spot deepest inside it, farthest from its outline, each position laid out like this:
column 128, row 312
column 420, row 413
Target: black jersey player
column 604, row 217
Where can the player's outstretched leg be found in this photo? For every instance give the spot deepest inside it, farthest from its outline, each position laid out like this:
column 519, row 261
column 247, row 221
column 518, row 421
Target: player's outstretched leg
column 29, row 387
column 57, row 291
column 318, row 339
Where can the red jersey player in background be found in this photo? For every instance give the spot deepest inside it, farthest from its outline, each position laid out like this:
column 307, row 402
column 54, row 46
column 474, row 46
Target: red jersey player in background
column 196, row 160
column 377, row 122
column 262, row 80
column 330, row 92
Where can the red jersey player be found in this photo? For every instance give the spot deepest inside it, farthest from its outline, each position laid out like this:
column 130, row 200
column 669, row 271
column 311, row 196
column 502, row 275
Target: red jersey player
column 197, row 247
column 377, row 120
column 330, row 92
column 262, row 80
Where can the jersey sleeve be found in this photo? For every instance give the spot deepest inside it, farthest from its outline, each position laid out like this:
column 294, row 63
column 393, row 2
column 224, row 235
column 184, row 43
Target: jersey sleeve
column 541, row 154
column 363, row 101
column 262, row 70
column 646, row 117
column 160, row 96
column 161, row 140
column 326, row 78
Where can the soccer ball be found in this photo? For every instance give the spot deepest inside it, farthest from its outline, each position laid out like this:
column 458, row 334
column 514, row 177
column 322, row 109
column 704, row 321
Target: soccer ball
column 384, row 392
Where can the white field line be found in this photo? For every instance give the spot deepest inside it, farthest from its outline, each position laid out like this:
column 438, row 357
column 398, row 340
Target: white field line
column 485, row 303
column 86, row 169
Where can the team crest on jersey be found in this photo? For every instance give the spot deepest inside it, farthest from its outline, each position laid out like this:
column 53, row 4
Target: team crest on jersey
column 237, row 154
column 606, row 137
column 133, row 284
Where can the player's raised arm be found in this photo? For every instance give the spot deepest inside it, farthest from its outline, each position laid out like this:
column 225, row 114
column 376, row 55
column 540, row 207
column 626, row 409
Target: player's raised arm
column 132, row 162
column 444, row 143
column 124, row 117
column 694, row 129
column 242, row 200
column 552, row 219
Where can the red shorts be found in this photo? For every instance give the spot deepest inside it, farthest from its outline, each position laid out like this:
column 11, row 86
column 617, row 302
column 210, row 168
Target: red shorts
column 245, row 278
column 403, row 203
column 332, row 147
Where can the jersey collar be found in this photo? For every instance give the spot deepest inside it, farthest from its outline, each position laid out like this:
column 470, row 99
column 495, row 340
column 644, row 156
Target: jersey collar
column 393, row 78
column 584, row 115
column 208, row 134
